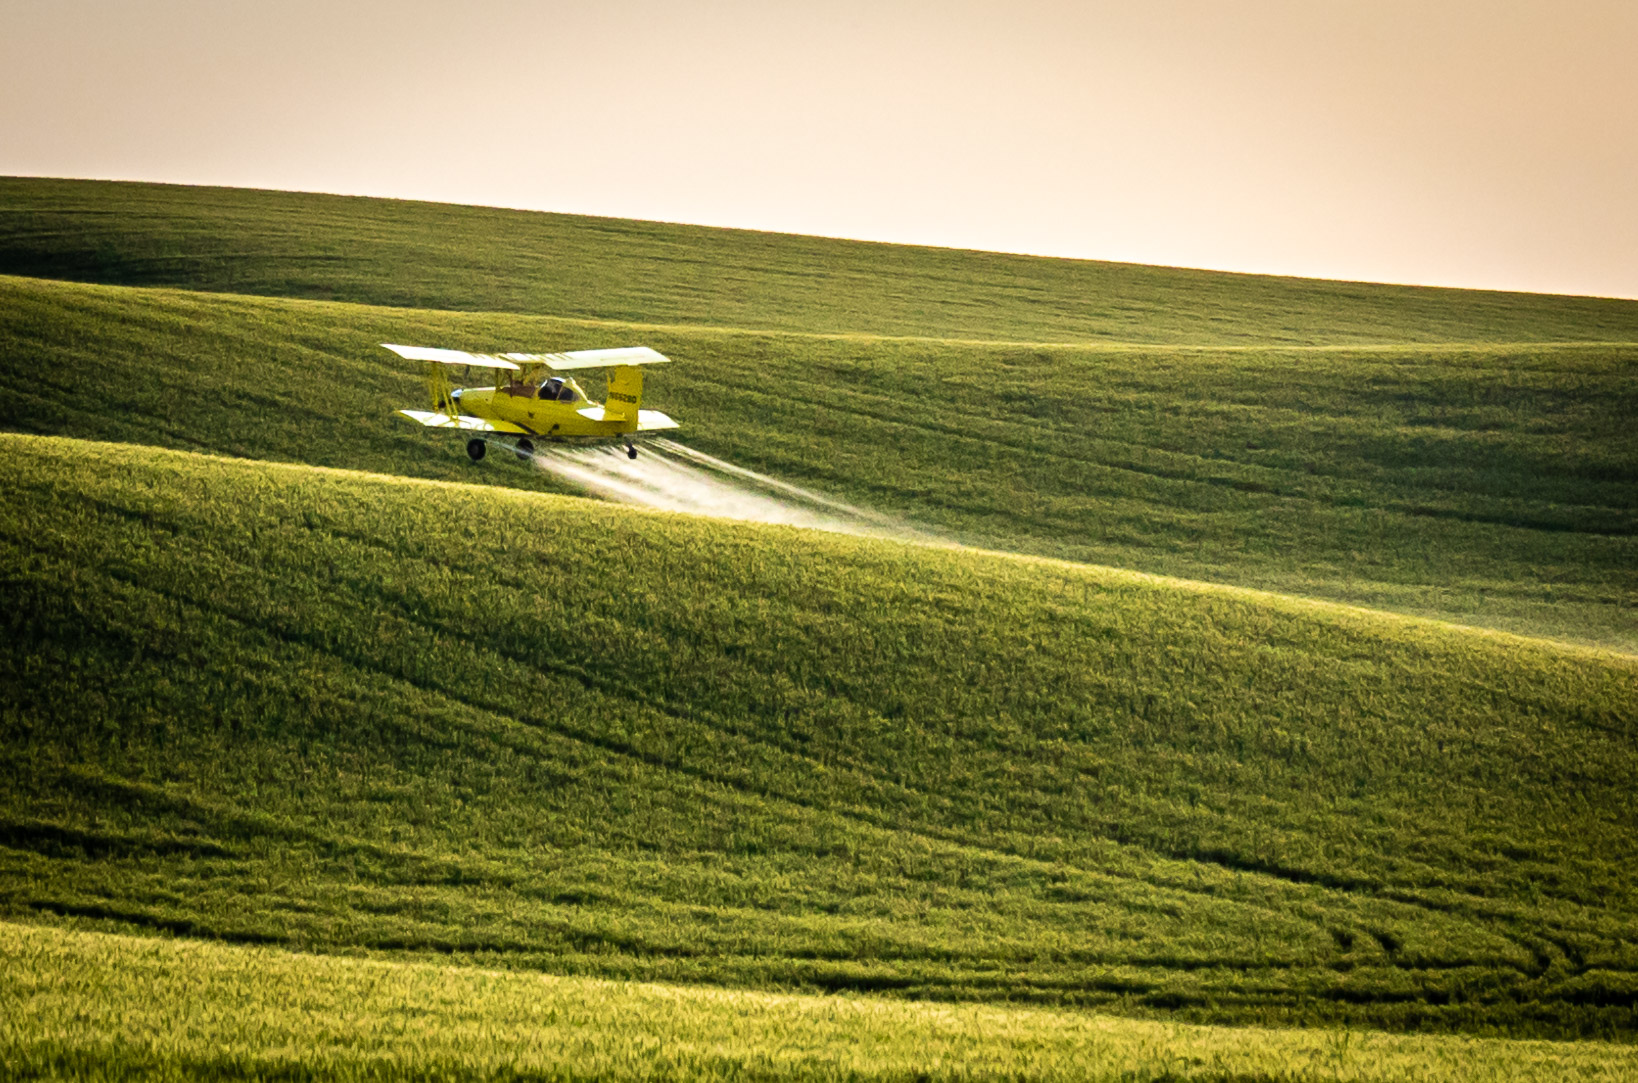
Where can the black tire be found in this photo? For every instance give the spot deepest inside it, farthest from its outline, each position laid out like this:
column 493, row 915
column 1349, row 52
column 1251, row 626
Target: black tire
column 475, row 449
column 526, row 448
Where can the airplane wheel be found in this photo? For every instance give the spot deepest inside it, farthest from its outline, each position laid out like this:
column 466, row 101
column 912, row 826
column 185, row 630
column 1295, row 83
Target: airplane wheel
column 631, row 451
column 526, row 448
column 475, row 449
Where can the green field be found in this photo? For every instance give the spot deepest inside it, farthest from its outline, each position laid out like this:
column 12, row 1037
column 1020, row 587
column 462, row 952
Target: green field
column 430, row 255
column 342, row 711
column 116, row 1008
column 283, row 671
column 1491, row 486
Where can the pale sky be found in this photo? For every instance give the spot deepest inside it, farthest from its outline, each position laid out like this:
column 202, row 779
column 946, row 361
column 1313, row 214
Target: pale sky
column 1451, row 142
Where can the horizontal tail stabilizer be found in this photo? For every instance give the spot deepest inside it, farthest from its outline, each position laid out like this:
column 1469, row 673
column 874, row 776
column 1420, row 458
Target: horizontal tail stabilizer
column 652, row 420
column 647, row 420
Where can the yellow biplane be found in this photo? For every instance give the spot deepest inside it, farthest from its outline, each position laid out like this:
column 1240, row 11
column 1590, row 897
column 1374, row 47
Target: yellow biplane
column 532, row 399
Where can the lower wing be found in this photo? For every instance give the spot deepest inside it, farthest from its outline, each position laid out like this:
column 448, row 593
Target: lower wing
column 462, row 422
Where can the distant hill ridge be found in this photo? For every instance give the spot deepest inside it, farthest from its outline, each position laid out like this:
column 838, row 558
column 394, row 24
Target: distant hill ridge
column 444, row 256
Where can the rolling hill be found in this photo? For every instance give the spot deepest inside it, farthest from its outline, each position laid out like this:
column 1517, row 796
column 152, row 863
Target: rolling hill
column 194, row 1009
column 336, row 711
column 441, row 256
column 1492, row 486
column 281, row 671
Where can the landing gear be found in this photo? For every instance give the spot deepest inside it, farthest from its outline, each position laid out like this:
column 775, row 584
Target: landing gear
column 631, row 451
column 475, row 449
column 526, row 448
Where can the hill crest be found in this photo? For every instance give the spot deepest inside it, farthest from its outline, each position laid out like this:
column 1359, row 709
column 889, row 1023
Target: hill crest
column 446, row 256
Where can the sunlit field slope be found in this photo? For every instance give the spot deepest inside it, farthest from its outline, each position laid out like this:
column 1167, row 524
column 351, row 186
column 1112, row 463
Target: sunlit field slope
column 429, row 255
column 1495, row 486
column 326, row 710
column 227, row 1012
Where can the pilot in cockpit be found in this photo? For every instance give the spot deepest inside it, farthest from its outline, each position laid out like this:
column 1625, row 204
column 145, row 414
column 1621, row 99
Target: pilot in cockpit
column 557, row 388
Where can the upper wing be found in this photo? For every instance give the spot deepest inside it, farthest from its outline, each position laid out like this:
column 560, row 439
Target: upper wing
column 451, row 357
column 563, row 362
column 590, row 359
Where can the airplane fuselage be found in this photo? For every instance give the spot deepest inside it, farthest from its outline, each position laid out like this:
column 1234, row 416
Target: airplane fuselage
column 565, row 415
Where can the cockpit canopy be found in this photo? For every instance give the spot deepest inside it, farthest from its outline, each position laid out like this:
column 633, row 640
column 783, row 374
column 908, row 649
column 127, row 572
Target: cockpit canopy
column 552, row 389
column 557, row 388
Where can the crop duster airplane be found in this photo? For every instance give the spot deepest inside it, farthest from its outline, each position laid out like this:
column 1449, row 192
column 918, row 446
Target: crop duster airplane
column 532, row 399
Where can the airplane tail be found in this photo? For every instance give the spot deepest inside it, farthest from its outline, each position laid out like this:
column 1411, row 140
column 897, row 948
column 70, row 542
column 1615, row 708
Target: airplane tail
column 625, row 395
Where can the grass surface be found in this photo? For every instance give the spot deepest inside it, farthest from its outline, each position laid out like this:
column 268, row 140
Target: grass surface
column 111, row 1007
column 1494, row 486
column 428, row 255
column 273, row 704
column 398, row 715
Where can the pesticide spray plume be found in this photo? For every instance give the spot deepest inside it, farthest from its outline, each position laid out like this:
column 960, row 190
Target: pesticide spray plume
column 669, row 476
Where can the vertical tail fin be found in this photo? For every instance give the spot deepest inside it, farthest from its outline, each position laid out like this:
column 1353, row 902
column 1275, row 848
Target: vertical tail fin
column 625, row 395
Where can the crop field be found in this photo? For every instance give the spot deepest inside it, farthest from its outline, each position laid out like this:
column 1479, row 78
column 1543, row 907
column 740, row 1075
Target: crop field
column 1285, row 675
column 336, row 711
column 1492, row 486
column 191, row 1009
column 439, row 256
